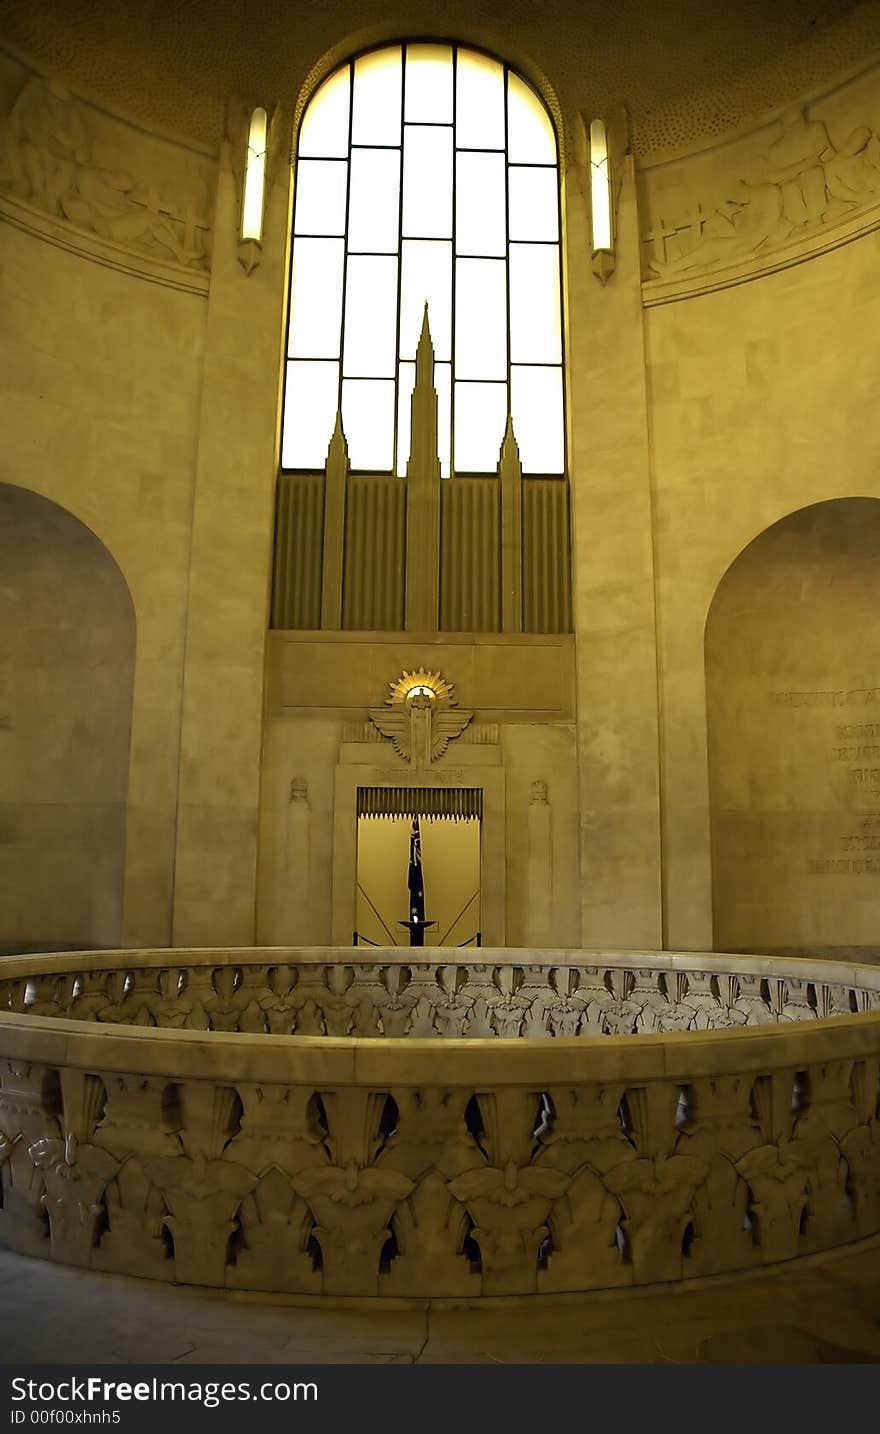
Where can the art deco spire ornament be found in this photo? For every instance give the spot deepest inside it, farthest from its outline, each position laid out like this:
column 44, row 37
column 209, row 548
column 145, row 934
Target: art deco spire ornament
column 420, row 723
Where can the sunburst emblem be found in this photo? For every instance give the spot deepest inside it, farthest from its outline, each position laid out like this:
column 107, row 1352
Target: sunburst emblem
column 420, row 683
column 421, row 723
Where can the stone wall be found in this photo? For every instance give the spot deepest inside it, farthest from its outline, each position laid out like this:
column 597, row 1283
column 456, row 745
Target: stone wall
column 722, row 378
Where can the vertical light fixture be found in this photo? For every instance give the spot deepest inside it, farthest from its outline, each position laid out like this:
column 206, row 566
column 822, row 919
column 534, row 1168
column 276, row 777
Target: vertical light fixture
column 601, row 207
column 254, row 191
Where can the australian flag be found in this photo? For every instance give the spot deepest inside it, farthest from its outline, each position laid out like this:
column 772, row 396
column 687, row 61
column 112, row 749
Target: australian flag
column 415, row 879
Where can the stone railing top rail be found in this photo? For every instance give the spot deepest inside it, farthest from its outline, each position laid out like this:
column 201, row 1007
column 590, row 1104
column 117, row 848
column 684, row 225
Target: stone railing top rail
column 805, row 968
column 326, row 1061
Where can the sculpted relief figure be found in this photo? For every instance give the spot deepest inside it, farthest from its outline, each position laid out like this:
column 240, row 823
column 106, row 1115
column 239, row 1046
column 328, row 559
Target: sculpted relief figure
column 46, row 159
column 802, row 182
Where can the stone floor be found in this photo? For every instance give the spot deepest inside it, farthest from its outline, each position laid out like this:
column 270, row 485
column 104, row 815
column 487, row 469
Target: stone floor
column 821, row 1311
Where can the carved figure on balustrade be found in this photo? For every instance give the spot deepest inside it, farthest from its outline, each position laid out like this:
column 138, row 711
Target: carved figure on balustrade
column 720, row 1129
column 657, row 1197
column 332, row 996
column 751, row 1002
column 91, row 998
column 276, row 1226
column 396, row 1002
column 136, row 1007
column 202, row 1197
column 834, row 1000
column 279, row 1006
column 861, row 1148
column 353, row 1206
column 75, row 1178
column 45, row 999
column 454, row 1008
column 114, row 1009
column 796, row 1005
column 701, row 999
column 819, row 1132
column 430, row 1145
column 135, row 1212
column 430, row 1227
column 777, row 1182
column 222, row 1008
column 563, row 1010
column 509, row 1009
column 252, row 992
column 584, row 1250
column 509, row 1205
column 165, row 1007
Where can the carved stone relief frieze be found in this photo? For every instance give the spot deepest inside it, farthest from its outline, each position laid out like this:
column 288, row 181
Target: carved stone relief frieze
column 814, row 169
column 73, row 163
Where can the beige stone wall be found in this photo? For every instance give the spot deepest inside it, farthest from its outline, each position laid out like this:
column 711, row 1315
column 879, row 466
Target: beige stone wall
column 100, row 370
column 793, row 689
column 65, row 725
column 761, row 403
column 704, row 404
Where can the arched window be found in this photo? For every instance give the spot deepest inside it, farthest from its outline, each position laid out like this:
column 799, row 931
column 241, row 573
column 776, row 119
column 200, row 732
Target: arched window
column 425, row 174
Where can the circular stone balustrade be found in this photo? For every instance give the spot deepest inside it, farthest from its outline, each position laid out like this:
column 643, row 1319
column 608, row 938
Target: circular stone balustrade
column 313, row 1123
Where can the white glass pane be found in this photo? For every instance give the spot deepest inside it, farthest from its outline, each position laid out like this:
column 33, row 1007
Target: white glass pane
column 427, row 182
column 479, row 204
column 530, row 137
column 320, row 196
column 480, row 419
column 310, row 403
column 370, row 317
column 426, row 277
column 534, row 206
column 374, row 205
column 429, row 83
column 535, row 335
column 480, row 319
column 406, row 378
column 368, row 421
column 536, row 408
column 315, row 298
column 479, row 102
column 324, row 129
column 443, row 385
column 443, row 388
column 377, row 93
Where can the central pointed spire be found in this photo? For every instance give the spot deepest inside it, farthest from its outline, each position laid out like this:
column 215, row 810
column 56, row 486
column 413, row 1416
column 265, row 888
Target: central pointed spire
column 423, row 494
column 425, row 352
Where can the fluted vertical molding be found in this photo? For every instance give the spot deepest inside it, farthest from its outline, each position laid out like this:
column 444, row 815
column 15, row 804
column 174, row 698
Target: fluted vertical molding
column 423, row 496
column 510, row 473
column 539, row 869
column 335, row 476
column 295, row 922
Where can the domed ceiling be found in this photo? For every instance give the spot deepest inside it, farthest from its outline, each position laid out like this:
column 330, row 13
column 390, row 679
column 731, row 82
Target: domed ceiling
column 688, row 72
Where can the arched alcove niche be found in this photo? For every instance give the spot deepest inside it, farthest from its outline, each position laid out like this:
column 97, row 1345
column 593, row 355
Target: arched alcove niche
column 793, row 710
column 67, row 639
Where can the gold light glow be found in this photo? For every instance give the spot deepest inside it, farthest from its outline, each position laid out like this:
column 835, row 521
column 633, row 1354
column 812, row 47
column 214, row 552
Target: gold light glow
column 254, row 178
column 600, row 184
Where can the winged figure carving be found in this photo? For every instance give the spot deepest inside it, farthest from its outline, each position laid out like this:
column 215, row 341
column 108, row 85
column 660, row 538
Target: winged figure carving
column 419, row 719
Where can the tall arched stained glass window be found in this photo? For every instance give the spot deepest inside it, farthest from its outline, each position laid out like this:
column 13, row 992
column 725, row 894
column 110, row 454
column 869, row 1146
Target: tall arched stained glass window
column 426, row 174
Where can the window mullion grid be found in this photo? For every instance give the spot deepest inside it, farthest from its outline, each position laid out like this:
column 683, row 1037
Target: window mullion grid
column 453, row 268
column 507, row 240
column 404, row 54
